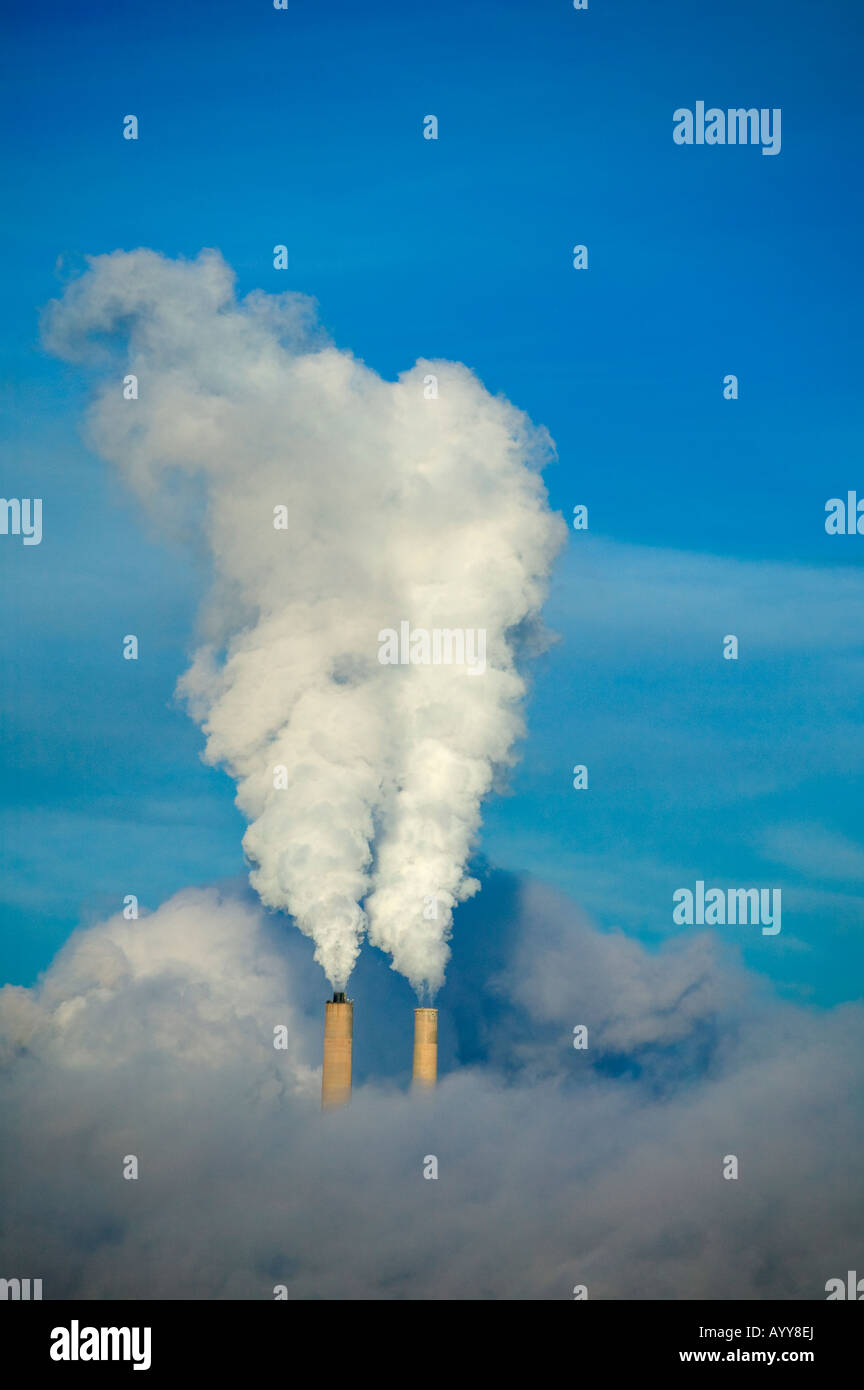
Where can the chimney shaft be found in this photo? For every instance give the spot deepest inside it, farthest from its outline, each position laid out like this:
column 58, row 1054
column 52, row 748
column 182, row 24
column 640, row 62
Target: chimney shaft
column 425, row 1049
column 338, row 1045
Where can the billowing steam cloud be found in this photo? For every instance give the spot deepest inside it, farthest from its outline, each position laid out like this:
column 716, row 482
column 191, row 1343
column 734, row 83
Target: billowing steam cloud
column 559, row 1167
column 336, row 505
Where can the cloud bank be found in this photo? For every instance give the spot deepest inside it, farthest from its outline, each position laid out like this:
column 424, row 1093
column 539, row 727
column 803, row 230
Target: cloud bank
column 557, row 1167
column 392, row 507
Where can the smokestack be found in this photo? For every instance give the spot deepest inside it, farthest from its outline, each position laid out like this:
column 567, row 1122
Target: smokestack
column 425, row 1049
column 338, row 1044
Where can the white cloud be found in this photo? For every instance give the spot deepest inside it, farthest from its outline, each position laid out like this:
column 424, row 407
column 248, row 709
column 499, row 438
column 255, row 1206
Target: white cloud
column 155, row 1038
column 398, row 508
column 812, row 849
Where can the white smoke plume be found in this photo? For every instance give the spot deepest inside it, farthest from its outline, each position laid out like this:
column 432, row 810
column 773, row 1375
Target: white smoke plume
column 396, row 508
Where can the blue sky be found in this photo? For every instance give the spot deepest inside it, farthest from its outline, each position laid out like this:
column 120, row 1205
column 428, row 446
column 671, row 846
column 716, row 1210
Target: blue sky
column 257, row 127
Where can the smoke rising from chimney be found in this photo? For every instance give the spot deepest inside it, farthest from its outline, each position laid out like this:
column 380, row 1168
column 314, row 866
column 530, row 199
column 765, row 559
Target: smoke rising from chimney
column 334, row 505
